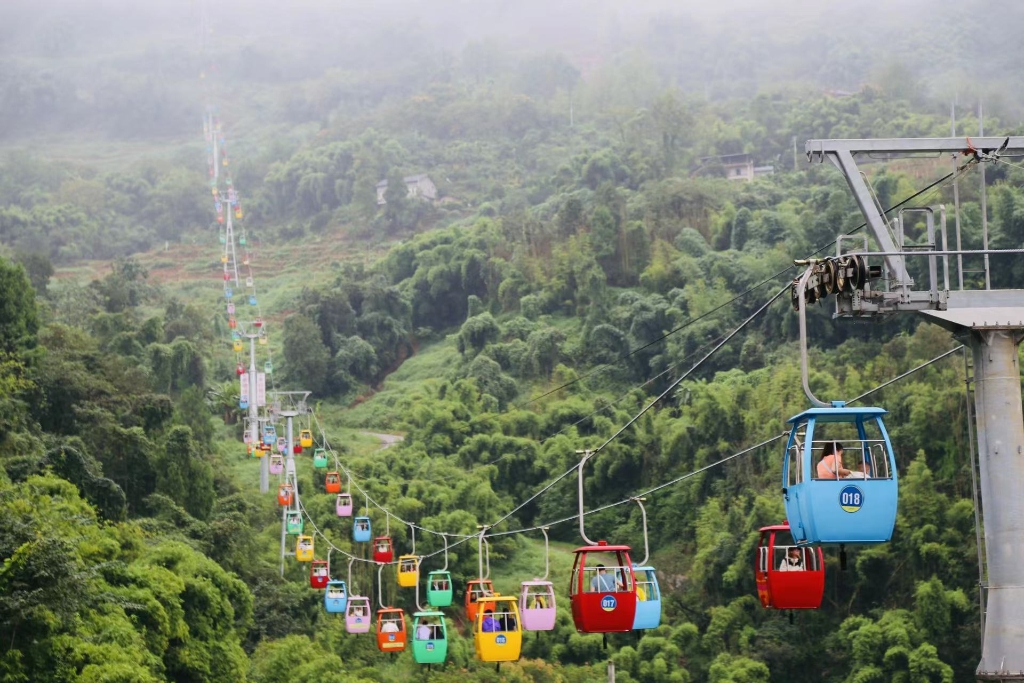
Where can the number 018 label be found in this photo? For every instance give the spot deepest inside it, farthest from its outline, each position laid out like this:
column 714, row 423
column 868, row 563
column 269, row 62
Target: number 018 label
column 851, row 498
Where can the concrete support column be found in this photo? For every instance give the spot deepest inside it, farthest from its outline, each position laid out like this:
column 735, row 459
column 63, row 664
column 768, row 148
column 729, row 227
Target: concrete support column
column 1000, row 422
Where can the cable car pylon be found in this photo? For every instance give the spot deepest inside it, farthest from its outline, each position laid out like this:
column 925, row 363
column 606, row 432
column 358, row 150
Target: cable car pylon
column 992, row 321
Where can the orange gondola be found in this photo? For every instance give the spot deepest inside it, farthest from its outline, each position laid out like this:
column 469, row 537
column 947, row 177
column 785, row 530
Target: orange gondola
column 391, row 632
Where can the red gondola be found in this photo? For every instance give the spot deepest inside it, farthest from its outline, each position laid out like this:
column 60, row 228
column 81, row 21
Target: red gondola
column 603, row 591
column 788, row 576
column 383, row 551
column 319, row 575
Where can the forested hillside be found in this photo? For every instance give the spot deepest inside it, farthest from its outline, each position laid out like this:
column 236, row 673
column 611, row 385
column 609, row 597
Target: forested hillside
column 585, row 249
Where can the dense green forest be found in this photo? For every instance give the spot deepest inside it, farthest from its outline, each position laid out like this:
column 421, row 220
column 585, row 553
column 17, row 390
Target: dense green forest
column 585, row 250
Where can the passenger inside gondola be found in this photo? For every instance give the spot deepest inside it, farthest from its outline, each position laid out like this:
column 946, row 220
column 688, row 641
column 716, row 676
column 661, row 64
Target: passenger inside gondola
column 793, row 561
column 490, row 624
column 603, row 582
column 428, row 630
column 831, row 464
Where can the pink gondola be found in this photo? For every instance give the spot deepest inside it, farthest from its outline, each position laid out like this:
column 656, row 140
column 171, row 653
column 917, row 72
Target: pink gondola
column 344, row 505
column 358, row 616
column 537, row 605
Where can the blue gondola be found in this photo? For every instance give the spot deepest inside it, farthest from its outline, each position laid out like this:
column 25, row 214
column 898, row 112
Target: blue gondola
column 243, row 404
column 228, row 293
column 361, row 532
column 269, row 435
column 252, row 300
column 648, row 599
column 336, row 597
column 840, row 500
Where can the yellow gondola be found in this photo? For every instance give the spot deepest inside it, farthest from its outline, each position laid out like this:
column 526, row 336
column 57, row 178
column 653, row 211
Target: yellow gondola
column 498, row 632
column 306, row 438
column 304, row 549
column 408, row 571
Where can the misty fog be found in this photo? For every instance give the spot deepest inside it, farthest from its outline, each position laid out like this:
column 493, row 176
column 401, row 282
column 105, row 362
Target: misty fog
column 79, row 63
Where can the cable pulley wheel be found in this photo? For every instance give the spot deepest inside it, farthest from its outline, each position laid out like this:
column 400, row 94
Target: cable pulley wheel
column 820, row 291
column 794, row 295
column 830, row 272
column 842, row 274
column 859, row 272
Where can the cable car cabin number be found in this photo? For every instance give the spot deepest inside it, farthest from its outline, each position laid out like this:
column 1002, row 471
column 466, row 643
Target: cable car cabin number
column 851, row 498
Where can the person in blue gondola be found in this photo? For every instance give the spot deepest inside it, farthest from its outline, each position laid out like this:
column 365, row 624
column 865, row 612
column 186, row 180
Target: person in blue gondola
column 490, row 624
column 831, row 464
column 793, row 561
column 603, row 582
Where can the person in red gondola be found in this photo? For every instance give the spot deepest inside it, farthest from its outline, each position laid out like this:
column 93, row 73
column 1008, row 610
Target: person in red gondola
column 603, row 582
column 793, row 561
column 831, row 464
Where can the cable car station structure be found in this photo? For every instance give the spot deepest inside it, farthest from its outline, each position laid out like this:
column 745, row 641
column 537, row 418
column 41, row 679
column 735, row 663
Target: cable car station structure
column 897, row 274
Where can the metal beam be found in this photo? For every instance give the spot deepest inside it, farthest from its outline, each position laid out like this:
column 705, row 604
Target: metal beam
column 876, row 221
column 817, row 150
column 843, row 152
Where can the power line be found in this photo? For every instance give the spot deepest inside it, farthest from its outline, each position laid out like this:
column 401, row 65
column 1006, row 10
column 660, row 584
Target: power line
column 655, row 489
column 726, row 459
column 663, row 394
